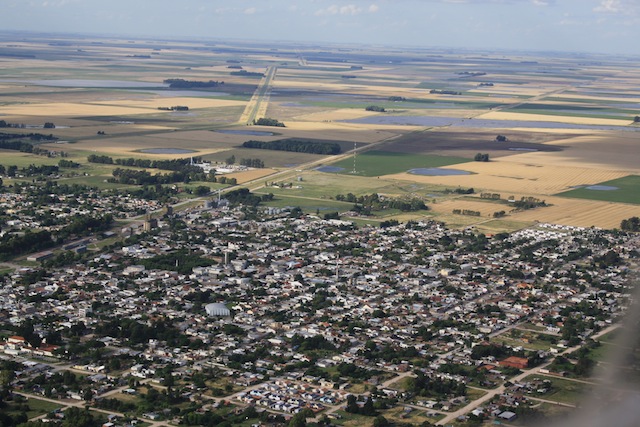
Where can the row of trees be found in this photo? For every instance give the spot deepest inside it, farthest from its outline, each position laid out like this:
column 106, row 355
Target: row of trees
column 252, row 163
column 373, row 202
column 138, row 177
column 265, row 121
column 296, row 145
column 191, row 84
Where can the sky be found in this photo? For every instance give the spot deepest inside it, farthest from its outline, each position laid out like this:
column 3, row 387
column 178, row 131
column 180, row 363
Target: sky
column 599, row 26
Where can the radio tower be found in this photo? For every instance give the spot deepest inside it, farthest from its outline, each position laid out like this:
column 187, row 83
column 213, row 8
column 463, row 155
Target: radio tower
column 355, row 146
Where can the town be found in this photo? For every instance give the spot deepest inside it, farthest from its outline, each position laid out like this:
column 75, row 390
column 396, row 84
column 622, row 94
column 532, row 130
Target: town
column 228, row 313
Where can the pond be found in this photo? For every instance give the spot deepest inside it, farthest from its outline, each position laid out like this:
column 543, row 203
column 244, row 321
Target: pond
column 329, row 169
column 437, row 172
column 602, row 187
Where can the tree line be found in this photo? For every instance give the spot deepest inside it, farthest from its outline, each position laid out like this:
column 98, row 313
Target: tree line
column 373, row 202
column 190, row 84
column 295, row 145
column 265, row 121
column 138, row 177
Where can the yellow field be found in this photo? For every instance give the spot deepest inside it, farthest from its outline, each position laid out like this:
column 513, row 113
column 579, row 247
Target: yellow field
column 514, row 178
column 581, row 213
column 486, row 209
column 250, row 175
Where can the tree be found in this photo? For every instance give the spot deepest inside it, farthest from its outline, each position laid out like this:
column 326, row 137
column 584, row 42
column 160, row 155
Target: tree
column 231, row 160
column 480, row 157
column 381, row 421
column 49, row 125
column 501, row 138
column 636, row 119
column 352, row 404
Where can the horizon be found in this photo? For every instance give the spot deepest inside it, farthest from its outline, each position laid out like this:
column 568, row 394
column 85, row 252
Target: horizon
column 571, row 26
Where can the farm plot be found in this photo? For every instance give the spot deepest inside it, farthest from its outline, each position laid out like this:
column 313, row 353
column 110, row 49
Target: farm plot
column 515, row 178
column 621, row 190
column 379, row 163
column 581, row 213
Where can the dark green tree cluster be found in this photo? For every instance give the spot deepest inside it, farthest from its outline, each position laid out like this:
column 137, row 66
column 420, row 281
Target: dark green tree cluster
column 140, row 333
column 529, row 203
column 252, row 163
column 82, row 225
column 181, row 261
column 12, row 245
column 95, row 158
column 373, row 202
column 170, row 165
column 245, row 73
column 242, row 196
column 423, row 385
column 63, row 163
column 295, row 145
column 375, row 108
column 191, row 84
column 367, row 408
column 140, row 177
column 306, row 344
column 481, row 157
column 631, row 224
column 34, row 170
column 356, row 372
column 265, row 121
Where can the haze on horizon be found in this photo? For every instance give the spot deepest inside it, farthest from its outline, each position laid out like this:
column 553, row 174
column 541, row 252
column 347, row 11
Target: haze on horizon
column 596, row 26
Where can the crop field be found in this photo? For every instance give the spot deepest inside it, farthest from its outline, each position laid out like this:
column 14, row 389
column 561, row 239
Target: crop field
column 378, row 163
column 567, row 120
column 621, row 190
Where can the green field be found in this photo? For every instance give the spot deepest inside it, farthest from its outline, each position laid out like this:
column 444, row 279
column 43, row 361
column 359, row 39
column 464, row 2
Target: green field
column 564, row 391
column 627, row 191
column 377, row 163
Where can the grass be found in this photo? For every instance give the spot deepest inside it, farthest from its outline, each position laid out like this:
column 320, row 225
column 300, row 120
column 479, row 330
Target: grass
column 564, row 391
column 37, row 407
column 533, row 344
column 309, row 205
column 378, row 163
column 627, row 191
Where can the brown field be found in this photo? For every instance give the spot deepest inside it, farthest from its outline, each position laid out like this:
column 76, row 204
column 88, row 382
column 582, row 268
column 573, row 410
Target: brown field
column 250, row 175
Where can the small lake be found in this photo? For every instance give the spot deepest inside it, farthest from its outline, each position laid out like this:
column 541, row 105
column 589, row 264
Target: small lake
column 246, row 132
column 166, row 151
column 329, row 169
column 437, row 172
column 602, row 187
